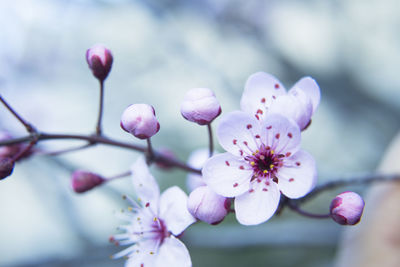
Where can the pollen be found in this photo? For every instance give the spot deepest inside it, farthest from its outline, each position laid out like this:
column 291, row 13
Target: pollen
column 262, row 157
column 130, row 208
column 252, row 163
column 155, row 219
column 271, row 166
column 265, row 171
column 151, row 253
column 272, row 152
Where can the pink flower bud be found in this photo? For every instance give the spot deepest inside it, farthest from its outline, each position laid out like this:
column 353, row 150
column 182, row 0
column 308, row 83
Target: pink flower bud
column 8, row 151
column 6, row 167
column 207, row 206
column 200, row 106
column 83, row 181
column 100, row 61
column 347, row 208
column 140, row 120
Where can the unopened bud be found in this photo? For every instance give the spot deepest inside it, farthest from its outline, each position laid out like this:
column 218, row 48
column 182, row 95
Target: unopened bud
column 6, row 167
column 83, row 181
column 200, row 106
column 140, row 120
column 205, row 205
column 11, row 150
column 347, row 208
column 100, row 61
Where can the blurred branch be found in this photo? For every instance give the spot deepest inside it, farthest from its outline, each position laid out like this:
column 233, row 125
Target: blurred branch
column 94, row 139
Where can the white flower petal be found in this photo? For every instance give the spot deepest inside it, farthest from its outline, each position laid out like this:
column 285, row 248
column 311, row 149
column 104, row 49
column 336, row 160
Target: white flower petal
column 141, row 254
column 296, row 105
column 257, row 205
column 260, row 91
column 239, row 133
column 173, row 253
column 227, row 175
column 311, row 88
column 173, row 210
column 145, row 185
column 282, row 134
column 298, row 176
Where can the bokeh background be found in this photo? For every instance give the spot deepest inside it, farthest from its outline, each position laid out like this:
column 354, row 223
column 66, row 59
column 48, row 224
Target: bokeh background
column 161, row 49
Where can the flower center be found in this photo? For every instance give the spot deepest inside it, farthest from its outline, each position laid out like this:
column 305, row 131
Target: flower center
column 265, row 162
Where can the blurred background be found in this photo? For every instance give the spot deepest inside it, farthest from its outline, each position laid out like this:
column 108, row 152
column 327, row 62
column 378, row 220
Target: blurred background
column 161, row 49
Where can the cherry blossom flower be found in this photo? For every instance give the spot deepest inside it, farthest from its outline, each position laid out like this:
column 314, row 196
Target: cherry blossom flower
column 264, row 94
column 263, row 160
column 154, row 224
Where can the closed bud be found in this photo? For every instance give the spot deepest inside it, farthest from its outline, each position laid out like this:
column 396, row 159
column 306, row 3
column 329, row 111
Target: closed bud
column 200, row 106
column 83, row 181
column 140, row 120
column 347, row 208
column 11, row 150
column 100, row 61
column 205, row 205
column 6, row 167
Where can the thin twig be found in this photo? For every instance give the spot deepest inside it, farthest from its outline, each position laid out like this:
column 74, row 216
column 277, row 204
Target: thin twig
column 158, row 157
column 293, row 206
column 149, row 152
column 121, row 175
column 210, row 140
column 363, row 179
column 64, row 151
column 100, row 115
column 27, row 125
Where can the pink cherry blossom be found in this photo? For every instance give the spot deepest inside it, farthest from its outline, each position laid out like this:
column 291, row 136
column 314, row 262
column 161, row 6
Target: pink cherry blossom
column 264, row 94
column 264, row 159
column 154, row 223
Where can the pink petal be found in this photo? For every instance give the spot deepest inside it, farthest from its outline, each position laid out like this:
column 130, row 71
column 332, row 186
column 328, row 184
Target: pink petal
column 260, row 91
column 145, row 185
column 282, row 134
column 173, row 210
column 257, row 205
column 296, row 105
column 173, row 253
column 227, row 175
column 239, row 133
column 309, row 86
column 298, row 176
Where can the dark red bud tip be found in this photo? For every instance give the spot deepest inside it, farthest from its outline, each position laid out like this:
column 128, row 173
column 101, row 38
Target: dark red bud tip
column 83, row 181
column 100, row 60
column 6, row 167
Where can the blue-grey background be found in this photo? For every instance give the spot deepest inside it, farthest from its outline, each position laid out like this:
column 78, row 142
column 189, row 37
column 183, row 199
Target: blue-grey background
column 161, row 49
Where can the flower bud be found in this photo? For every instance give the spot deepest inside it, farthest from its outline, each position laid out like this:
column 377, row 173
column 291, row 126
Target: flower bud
column 347, row 208
column 140, row 120
column 100, row 61
column 6, row 167
column 83, row 181
column 200, row 106
column 205, row 205
column 11, row 150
